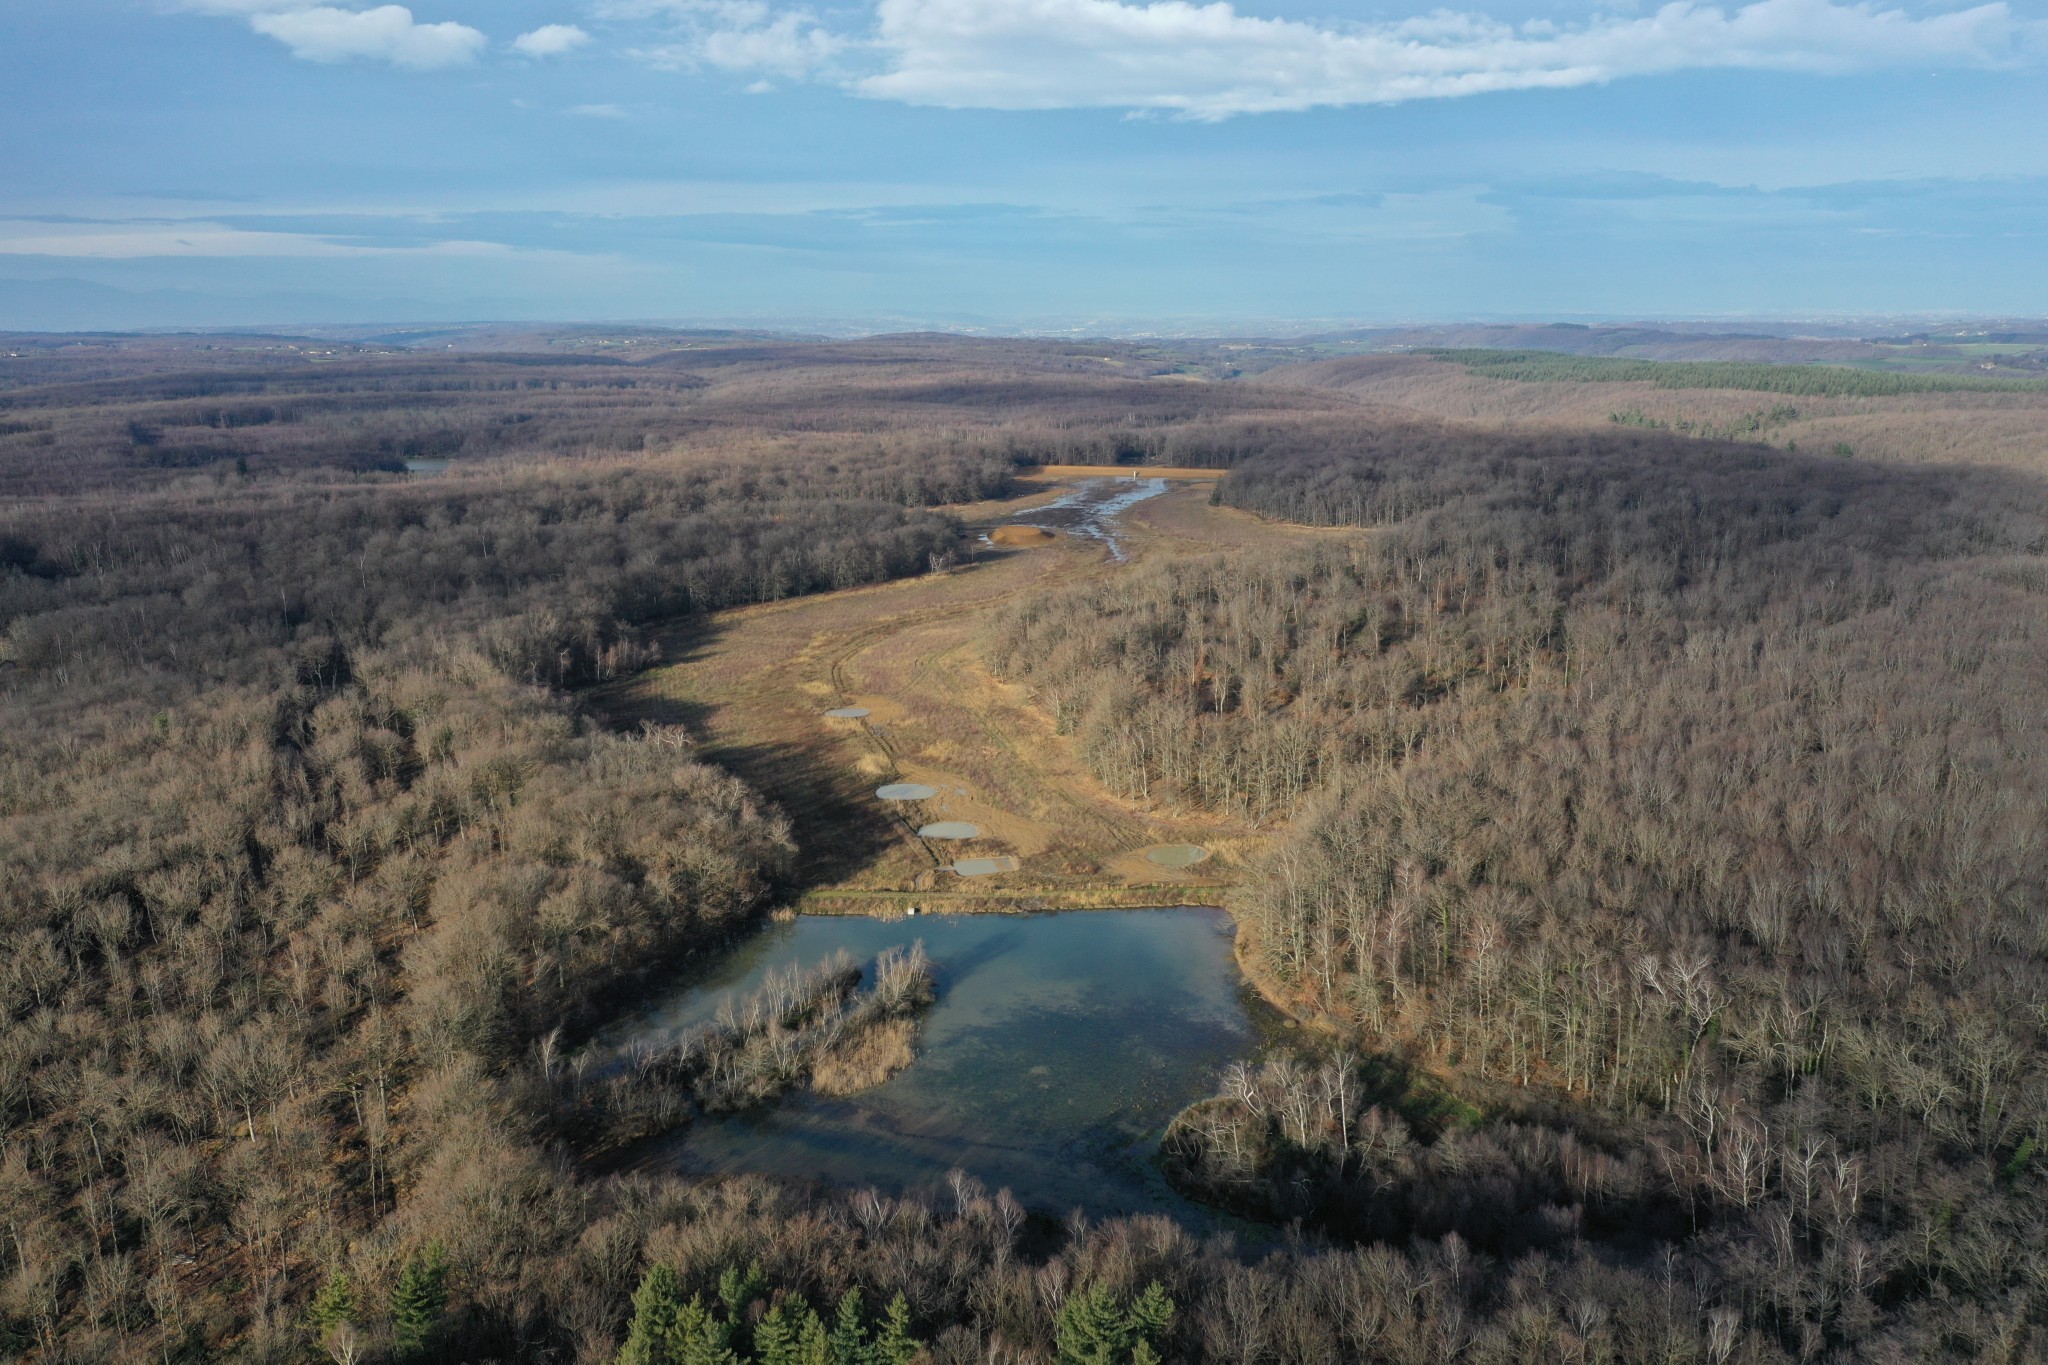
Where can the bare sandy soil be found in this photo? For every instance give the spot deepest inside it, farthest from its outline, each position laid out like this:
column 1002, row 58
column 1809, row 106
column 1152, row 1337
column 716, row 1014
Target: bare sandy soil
column 754, row 685
column 1022, row 537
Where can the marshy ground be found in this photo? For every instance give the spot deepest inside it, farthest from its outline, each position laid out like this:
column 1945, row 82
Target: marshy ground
column 756, row 687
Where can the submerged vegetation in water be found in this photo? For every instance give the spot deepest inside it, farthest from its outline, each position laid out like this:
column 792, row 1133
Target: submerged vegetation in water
column 813, row 1027
column 1062, row 1047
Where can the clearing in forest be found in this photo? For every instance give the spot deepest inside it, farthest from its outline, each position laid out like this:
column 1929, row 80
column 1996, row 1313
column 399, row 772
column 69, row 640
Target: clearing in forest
column 770, row 692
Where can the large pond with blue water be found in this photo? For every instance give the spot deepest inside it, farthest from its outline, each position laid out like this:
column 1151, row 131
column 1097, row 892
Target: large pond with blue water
column 1060, row 1047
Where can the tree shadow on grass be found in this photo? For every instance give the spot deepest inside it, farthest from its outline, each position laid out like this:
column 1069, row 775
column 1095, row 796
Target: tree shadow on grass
column 839, row 827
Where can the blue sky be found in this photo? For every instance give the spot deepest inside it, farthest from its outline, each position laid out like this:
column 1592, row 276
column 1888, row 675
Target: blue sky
column 1021, row 163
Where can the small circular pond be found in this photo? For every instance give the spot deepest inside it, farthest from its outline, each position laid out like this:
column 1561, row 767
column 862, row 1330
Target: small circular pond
column 950, row 829
column 848, row 713
column 1177, row 855
column 906, row 791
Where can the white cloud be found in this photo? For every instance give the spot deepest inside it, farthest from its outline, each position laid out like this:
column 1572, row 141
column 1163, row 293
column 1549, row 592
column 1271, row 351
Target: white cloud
column 789, row 44
column 141, row 238
column 737, row 35
column 321, row 32
column 1208, row 61
column 597, row 111
column 550, row 40
column 388, row 33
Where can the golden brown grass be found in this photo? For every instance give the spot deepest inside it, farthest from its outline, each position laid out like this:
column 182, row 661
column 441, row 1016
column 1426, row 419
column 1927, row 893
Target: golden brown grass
column 1022, row 537
column 753, row 685
column 1183, row 521
column 873, row 1056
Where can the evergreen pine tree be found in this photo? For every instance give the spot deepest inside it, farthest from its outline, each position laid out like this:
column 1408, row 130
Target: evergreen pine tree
column 418, row 1300
column 1092, row 1330
column 334, row 1304
column 1143, row 1354
column 775, row 1340
column 738, row 1291
column 690, row 1320
column 894, row 1345
column 1151, row 1319
column 849, row 1337
column 705, row 1340
column 657, row 1320
column 813, row 1343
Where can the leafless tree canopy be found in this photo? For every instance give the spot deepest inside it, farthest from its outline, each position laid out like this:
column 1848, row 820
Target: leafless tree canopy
column 1681, row 800
column 1666, row 859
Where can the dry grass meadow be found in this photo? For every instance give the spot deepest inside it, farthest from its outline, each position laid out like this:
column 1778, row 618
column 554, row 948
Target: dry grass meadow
column 752, row 687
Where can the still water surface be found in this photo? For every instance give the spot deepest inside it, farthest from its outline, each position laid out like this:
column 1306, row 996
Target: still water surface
column 1093, row 509
column 1060, row 1046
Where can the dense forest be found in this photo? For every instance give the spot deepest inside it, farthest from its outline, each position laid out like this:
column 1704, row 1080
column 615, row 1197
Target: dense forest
column 311, row 870
column 552, row 571
column 306, row 855
column 1677, row 804
column 85, row 418
column 1661, row 852
column 1814, row 381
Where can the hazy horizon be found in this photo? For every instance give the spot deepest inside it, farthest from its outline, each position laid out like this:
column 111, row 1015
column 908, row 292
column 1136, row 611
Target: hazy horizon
column 1839, row 327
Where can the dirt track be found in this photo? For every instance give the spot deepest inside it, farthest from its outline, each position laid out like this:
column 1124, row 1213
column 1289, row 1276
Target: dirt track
column 753, row 686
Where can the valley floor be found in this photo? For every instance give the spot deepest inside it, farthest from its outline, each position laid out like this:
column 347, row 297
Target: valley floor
column 752, row 688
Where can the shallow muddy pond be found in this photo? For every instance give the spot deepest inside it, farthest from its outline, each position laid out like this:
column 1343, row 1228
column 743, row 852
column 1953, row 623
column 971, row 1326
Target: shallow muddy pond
column 1060, row 1046
column 1092, row 509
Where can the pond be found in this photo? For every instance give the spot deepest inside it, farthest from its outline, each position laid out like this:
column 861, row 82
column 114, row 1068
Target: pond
column 1060, row 1047
column 1092, row 509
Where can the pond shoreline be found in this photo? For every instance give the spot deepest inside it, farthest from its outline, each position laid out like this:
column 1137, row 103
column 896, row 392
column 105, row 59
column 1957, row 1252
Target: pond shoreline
column 1061, row 1049
column 893, row 904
